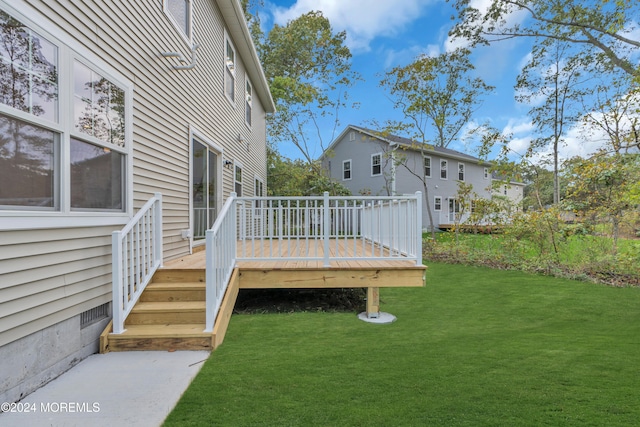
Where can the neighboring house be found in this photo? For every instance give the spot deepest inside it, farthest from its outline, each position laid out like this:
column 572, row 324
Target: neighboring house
column 370, row 163
column 103, row 104
column 510, row 190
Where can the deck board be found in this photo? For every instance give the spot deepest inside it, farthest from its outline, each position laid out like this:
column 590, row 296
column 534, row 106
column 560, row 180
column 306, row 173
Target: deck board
column 298, row 249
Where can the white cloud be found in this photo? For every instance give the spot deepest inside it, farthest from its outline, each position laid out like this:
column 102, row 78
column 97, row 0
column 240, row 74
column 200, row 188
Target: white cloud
column 405, row 56
column 519, row 126
column 362, row 20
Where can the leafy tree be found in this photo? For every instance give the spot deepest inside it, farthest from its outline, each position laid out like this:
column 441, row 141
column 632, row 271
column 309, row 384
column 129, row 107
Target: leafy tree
column 603, row 27
column 298, row 178
column 308, row 67
column 605, row 187
column 438, row 97
column 554, row 75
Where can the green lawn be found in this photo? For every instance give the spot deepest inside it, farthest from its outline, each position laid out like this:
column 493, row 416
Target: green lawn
column 474, row 347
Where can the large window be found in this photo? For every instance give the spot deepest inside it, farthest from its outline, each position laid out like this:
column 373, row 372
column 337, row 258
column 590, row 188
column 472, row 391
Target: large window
column 63, row 142
column 180, row 13
column 376, row 164
column 230, row 71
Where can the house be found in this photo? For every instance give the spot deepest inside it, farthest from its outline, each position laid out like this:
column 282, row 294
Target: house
column 373, row 163
column 104, row 104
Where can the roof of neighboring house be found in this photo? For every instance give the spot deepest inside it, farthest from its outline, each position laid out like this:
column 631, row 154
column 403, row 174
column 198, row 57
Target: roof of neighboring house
column 497, row 177
column 239, row 31
column 408, row 144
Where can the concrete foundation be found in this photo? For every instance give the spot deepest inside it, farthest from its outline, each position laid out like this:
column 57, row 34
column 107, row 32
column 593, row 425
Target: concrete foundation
column 31, row 362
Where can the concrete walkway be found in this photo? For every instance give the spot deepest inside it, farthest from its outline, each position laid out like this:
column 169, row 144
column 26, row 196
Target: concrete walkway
column 136, row 388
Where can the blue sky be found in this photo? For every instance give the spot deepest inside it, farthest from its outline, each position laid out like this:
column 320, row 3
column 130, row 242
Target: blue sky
column 384, row 34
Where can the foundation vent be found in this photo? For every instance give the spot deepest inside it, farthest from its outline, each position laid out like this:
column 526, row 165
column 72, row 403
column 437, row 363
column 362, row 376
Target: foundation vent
column 95, row 315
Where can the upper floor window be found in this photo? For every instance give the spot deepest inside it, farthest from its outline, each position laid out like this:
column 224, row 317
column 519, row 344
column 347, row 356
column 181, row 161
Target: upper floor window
column 486, row 173
column 346, row 170
column 248, row 103
column 63, row 143
column 443, row 169
column 230, row 71
column 180, row 13
column 352, row 136
column 376, row 164
column 427, row 167
column 461, row 171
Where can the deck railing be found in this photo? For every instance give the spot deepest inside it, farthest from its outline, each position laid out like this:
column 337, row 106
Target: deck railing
column 137, row 254
column 221, row 241
column 330, row 228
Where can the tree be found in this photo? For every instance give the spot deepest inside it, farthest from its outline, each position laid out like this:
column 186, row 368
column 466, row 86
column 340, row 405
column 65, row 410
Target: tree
column 604, row 27
column 438, row 97
column 605, row 187
column 298, row 178
column 308, row 67
column 555, row 76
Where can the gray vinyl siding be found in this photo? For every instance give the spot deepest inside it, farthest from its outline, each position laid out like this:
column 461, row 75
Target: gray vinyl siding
column 49, row 275
column 360, row 149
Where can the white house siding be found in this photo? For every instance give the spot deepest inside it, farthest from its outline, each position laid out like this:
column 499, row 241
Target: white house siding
column 48, row 276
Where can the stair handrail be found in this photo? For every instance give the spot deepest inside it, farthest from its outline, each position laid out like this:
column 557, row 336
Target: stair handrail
column 136, row 255
column 221, row 247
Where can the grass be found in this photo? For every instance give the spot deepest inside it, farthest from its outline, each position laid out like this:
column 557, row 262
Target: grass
column 474, row 347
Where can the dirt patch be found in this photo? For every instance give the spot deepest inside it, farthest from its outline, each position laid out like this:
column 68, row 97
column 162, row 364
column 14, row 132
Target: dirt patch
column 251, row 301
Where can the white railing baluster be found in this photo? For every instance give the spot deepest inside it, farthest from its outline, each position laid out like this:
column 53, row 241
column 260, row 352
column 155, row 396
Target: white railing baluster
column 136, row 255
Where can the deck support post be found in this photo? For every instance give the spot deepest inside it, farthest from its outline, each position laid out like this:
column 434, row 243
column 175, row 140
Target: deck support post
column 373, row 303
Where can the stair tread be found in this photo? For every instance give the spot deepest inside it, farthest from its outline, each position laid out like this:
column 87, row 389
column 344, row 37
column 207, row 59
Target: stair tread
column 143, row 306
column 175, row 285
column 162, row 331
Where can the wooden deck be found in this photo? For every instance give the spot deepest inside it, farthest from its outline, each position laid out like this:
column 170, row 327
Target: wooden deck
column 171, row 311
column 305, row 273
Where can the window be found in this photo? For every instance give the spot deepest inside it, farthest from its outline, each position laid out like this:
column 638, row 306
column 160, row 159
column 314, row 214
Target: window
column 237, row 177
column 437, row 203
column 427, row 167
column 376, row 164
column 230, row 71
column 258, row 192
column 486, row 173
column 352, row 136
column 63, row 143
column 443, row 169
column 460, row 171
column 248, row 102
column 505, row 190
column 180, row 13
column 346, row 170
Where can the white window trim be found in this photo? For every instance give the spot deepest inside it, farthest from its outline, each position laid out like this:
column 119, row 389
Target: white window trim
column 227, row 39
column 486, row 173
column 352, row 136
column 464, row 172
column 380, row 164
column 68, row 51
column 195, row 133
column 435, row 203
column 446, row 169
column 430, row 166
column 187, row 37
column 350, row 170
column 261, row 181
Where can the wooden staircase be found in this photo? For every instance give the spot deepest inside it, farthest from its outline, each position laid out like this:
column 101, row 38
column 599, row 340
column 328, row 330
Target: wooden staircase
column 169, row 316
